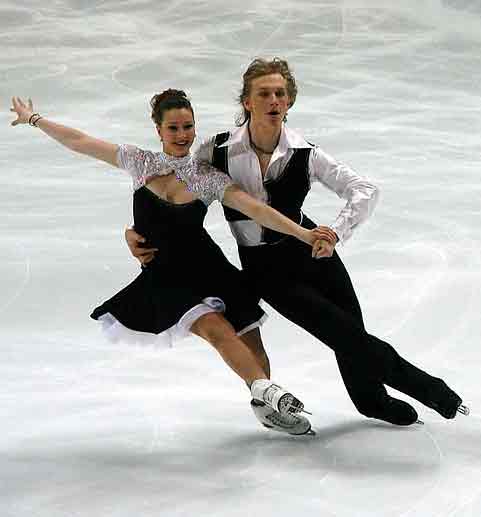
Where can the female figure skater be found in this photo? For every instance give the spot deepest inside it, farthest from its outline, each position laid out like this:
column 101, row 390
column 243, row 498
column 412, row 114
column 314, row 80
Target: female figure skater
column 271, row 161
column 189, row 285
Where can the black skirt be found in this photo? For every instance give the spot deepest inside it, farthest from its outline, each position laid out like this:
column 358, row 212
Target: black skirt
column 188, row 270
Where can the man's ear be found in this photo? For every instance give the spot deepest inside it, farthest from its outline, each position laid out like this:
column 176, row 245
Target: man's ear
column 247, row 104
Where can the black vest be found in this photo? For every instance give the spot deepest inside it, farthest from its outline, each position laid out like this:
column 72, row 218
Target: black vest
column 286, row 193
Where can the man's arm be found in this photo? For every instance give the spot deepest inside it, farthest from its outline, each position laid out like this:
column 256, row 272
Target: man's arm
column 361, row 195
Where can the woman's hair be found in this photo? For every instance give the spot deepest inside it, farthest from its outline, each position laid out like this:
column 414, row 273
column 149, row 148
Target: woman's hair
column 258, row 68
column 168, row 100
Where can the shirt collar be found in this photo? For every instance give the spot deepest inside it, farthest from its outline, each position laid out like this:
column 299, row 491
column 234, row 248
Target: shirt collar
column 237, row 136
column 289, row 139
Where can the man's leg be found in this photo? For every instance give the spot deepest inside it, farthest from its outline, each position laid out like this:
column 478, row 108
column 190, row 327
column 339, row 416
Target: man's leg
column 365, row 361
column 403, row 376
column 367, row 394
column 328, row 277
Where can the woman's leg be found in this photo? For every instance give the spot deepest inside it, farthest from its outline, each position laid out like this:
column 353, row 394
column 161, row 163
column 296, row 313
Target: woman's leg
column 268, row 417
column 215, row 329
column 253, row 341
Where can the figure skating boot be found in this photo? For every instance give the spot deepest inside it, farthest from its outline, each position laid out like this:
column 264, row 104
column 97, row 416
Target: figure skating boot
column 288, row 423
column 394, row 411
column 430, row 391
column 276, row 397
column 444, row 400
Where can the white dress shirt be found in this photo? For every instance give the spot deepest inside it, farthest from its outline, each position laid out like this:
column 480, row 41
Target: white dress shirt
column 360, row 194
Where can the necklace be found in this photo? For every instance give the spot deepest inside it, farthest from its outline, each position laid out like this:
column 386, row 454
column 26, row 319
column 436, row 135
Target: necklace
column 256, row 147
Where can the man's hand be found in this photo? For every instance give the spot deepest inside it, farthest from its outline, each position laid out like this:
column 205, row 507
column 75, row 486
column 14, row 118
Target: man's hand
column 326, row 233
column 135, row 243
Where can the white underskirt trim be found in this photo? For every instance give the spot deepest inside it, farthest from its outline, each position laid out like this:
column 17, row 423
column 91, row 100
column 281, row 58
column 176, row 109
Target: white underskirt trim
column 210, row 304
column 115, row 332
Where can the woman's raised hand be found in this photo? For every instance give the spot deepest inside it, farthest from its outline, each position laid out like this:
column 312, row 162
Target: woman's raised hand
column 23, row 110
column 322, row 248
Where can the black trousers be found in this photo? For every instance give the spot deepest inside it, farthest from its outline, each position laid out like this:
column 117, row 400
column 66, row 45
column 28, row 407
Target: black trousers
column 318, row 296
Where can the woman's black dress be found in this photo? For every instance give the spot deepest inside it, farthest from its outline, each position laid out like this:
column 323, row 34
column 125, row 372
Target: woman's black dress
column 188, row 269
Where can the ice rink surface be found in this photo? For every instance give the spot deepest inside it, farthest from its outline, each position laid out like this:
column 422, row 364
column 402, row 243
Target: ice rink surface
column 90, row 428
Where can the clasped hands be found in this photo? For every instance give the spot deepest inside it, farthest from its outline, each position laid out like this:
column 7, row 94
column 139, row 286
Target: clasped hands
column 323, row 241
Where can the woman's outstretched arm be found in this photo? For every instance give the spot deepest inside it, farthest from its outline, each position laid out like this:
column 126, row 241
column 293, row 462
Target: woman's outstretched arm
column 324, row 238
column 69, row 137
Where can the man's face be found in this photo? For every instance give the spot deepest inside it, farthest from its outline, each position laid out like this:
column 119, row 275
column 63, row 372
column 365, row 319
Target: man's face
column 268, row 100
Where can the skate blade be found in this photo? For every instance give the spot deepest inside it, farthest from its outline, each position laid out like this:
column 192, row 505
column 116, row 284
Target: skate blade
column 464, row 410
column 298, row 407
column 292, row 405
column 311, row 432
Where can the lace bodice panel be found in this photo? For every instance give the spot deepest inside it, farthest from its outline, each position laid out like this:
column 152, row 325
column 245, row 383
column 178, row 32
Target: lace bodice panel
column 200, row 178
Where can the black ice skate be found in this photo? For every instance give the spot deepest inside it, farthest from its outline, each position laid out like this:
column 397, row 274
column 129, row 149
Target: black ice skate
column 444, row 400
column 395, row 411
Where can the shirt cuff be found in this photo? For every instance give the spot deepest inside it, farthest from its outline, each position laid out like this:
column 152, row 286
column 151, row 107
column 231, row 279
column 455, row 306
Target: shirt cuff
column 342, row 230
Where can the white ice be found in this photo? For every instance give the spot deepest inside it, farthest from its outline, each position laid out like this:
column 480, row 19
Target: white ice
column 94, row 429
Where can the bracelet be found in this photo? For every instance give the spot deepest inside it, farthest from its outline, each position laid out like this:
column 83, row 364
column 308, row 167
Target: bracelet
column 34, row 118
column 31, row 117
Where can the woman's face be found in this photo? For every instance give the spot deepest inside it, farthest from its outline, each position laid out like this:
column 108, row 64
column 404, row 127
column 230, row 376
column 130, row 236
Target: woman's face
column 268, row 100
column 177, row 131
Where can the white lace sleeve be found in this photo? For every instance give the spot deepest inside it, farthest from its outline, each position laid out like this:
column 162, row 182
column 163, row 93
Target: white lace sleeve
column 207, row 182
column 200, row 177
column 141, row 164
